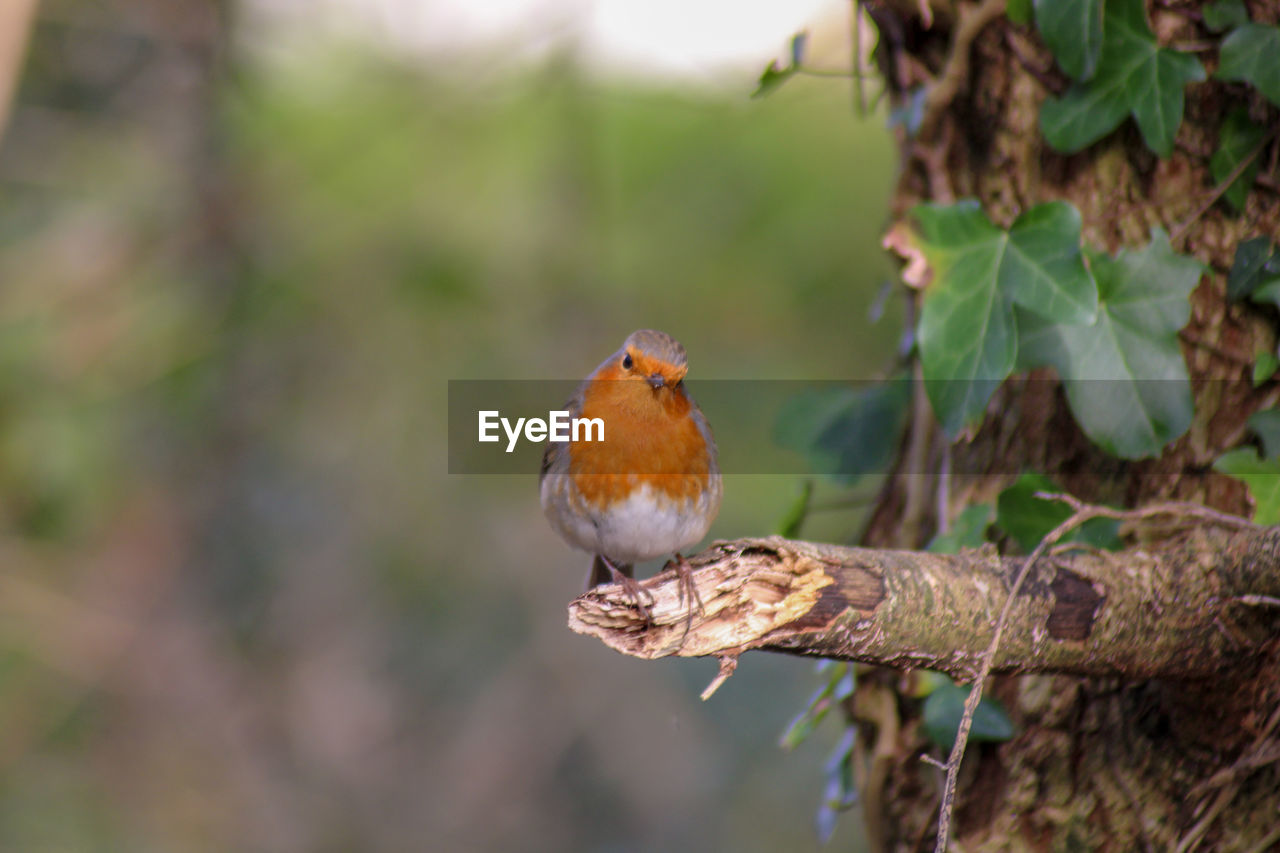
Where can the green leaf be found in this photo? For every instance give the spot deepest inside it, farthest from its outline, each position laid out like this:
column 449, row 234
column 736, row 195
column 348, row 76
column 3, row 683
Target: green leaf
column 1125, row 376
column 840, row 791
column 838, row 686
column 1135, row 76
column 1073, row 31
column 1255, row 265
column 825, row 823
column 1268, row 292
column 1043, row 268
column 1028, row 519
column 846, row 432
column 968, row 530
column 967, row 336
column 1267, row 426
column 1018, row 11
column 1252, row 54
column 1238, row 139
column 1225, row 14
column 772, row 78
column 1264, row 367
column 927, row 681
column 966, row 332
column 1260, row 476
column 944, row 708
column 789, row 526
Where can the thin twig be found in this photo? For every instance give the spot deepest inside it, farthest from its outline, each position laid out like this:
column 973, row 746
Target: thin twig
column 954, row 75
column 1216, row 192
column 1166, row 508
column 943, row 494
column 1043, row 75
column 1081, row 512
column 1267, row 843
column 829, row 72
column 1245, row 762
column 1192, row 838
column 728, row 663
column 858, row 89
column 975, row 694
column 1266, row 600
column 1197, row 340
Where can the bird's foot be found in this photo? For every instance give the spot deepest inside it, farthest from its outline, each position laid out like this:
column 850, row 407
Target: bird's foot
column 688, row 591
column 632, row 588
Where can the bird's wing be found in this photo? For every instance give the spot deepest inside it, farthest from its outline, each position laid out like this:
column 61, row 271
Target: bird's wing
column 704, row 428
column 556, row 455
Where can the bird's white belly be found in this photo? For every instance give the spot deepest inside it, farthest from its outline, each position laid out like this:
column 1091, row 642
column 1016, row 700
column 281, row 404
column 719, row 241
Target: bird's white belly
column 640, row 527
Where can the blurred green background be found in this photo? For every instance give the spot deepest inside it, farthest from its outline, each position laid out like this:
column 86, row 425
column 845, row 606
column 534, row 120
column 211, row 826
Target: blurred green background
column 242, row 604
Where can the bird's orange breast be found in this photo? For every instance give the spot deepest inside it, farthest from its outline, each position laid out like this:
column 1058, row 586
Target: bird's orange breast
column 649, row 437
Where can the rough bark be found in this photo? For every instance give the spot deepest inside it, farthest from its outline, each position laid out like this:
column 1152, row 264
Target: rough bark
column 1171, row 740
column 984, row 142
column 1193, row 609
column 1099, row 763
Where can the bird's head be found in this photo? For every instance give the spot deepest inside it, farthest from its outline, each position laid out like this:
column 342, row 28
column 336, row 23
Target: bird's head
column 655, row 358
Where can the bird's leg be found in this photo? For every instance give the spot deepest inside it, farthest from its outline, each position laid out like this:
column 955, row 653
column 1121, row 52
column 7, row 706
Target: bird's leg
column 622, row 577
column 688, row 589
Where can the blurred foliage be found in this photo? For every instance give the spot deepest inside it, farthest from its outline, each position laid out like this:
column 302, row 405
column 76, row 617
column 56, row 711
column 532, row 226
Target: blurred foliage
column 244, row 606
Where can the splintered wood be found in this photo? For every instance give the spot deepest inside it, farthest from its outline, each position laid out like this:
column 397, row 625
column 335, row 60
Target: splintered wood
column 746, row 593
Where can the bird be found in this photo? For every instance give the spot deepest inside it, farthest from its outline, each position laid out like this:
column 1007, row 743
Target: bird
column 652, row 486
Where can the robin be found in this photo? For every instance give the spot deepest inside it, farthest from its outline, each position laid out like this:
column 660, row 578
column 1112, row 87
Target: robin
column 651, row 486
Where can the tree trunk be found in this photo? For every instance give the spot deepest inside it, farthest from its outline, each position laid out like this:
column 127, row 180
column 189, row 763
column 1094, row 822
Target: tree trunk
column 1164, row 731
column 1099, row 763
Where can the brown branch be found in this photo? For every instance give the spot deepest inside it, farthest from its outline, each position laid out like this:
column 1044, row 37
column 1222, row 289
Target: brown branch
column 1081, row 513
column 955, row 74
column 16, row 18
column 1138, row 614
column 1218, row 191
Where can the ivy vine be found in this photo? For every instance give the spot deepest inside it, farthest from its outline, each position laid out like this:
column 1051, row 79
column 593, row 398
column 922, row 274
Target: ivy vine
column 996, row 300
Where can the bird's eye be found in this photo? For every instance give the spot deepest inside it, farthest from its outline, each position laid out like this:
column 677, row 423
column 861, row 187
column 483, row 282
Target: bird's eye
column 627, row 362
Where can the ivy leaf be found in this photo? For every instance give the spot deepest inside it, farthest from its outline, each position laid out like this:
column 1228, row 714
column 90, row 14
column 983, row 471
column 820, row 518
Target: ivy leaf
column 967, row 335
column 1269, row 292
column 1260, row 476
column 1125, row 376
column 1250, row 54
column 944, row 708
column 1134, row 76
column 1018, row 11
column 1238, row 139
column 838, row 686
column 1225, row 14
column 1264, row 367
column 1073, row 31
column 1028, row 519
column 1256, row 265
column 772, row 77
column 968, row 530
column 1043, row 269
column 846, row 432
column 1267, row 426
column 791, row 523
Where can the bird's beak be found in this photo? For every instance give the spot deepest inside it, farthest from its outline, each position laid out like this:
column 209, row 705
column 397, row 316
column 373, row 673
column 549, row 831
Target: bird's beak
column 656, row 380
